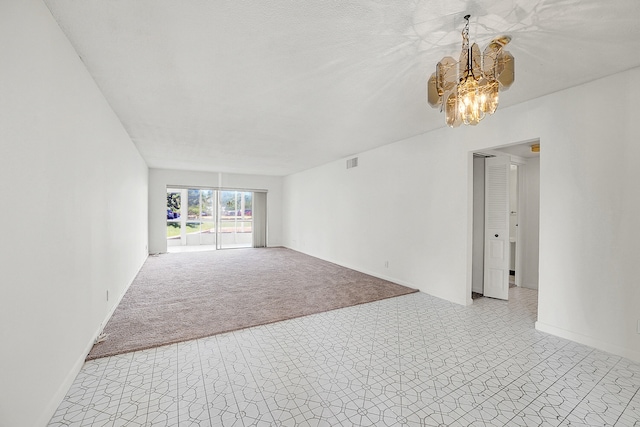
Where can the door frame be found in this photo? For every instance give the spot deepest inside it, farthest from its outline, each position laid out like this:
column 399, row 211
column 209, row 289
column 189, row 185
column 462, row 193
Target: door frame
column 492, row 151
column 521, row 218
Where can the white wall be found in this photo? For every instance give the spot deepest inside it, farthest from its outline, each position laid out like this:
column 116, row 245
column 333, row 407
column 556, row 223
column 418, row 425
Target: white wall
column 392, row 207
column 410, row 203
column 74, row 213
column 530, row 223
column 159, row 179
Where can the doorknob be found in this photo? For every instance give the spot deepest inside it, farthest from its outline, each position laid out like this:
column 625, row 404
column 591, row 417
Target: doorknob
column 496, row 235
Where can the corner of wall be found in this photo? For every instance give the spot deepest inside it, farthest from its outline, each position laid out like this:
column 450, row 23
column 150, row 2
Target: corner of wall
column 589, row 341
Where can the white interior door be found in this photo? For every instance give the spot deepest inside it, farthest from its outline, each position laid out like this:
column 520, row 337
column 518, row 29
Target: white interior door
column 496, row 250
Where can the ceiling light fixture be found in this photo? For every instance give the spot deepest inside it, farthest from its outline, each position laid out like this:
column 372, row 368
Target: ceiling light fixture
column 468, row 89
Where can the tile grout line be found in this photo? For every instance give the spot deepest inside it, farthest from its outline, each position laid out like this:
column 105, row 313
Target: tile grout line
column 511, row 382
column 552, row 384
column 204, row 385
column 226, row 370
column 151, row 388
column 253, row 376
column 124, row 385
column 594, row 387
column 177, row 378
column 627, row 405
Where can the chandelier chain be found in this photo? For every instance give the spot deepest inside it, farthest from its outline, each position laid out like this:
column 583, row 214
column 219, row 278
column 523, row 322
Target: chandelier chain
column 465, row 34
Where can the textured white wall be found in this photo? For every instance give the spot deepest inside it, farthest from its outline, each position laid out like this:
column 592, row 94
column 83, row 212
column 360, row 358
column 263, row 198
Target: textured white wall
column 159, row 179
column 410, row 203
column 74, row 213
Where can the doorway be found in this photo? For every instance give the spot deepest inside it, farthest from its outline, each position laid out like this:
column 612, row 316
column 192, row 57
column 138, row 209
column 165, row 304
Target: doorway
column 522, row 211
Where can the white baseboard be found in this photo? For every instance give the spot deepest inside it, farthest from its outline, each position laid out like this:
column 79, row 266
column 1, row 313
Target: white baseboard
column 113, row 309
column 383, row 277
column 55, row 401
column 361, row 270
column 590, row 341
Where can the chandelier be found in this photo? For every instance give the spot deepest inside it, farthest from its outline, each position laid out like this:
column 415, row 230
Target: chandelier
column 468, row 90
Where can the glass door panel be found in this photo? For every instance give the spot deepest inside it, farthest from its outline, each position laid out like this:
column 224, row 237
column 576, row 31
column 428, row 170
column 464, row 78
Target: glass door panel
column 174, row 222
column 235, row 229
column 207, row 217
column 193, row 218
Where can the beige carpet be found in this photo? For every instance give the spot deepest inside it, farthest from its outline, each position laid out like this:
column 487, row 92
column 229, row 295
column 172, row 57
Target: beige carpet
column 179, row 297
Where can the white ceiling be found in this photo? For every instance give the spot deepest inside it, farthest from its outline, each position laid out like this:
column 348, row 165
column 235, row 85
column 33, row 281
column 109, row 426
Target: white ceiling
column 278, row 86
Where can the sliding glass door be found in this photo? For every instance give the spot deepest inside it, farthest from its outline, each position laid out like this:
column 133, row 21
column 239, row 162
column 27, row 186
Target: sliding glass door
column 218, row 219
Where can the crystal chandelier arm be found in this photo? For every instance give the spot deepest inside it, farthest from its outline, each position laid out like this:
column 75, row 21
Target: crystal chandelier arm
column 433, row 94
column 506, row 69
column 491, row 55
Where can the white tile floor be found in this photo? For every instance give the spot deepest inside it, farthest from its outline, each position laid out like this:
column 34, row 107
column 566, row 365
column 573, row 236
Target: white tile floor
column 413, row 360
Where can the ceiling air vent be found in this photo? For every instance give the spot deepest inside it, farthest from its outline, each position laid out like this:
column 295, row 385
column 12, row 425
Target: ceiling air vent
column 352, row 163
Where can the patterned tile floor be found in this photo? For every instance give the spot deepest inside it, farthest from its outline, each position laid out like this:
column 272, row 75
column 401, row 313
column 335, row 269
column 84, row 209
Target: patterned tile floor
column 414, row 360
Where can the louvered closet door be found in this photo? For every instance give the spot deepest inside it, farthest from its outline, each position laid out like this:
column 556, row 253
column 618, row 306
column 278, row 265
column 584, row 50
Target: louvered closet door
column 496, row 251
